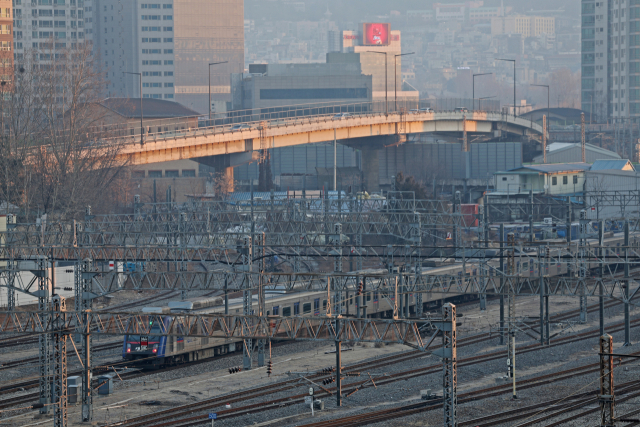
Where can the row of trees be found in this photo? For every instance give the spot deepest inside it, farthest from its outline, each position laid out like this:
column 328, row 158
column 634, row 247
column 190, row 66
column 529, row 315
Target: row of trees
column 48, row 160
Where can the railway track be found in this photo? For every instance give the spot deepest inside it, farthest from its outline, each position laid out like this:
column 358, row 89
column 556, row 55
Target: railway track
column 6, row 403
column 168, row 417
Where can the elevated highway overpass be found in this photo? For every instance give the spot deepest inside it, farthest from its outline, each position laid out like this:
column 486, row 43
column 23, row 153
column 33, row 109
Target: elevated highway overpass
column 226, row 146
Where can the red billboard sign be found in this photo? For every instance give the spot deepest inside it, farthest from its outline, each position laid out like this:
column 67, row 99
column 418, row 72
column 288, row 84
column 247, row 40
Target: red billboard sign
column 376, row 34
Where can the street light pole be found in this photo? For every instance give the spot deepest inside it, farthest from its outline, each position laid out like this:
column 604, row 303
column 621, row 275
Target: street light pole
column 141, row 125
column 395, row 72
column 473, row 90
column 514, row 82
column 386, row 81
column 212, row 63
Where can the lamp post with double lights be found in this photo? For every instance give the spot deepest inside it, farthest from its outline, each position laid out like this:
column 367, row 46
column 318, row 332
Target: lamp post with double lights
column 210, row 64
column 386, row 81
column 473, row 88
column 395, row 72
column 514, row 82
column 141, row 125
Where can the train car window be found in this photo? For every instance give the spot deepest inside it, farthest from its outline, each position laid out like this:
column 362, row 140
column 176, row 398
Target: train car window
column 368, row 296
column 276, row 310
column 306, row 307
column 565, row 179
column 375, row 296
column 316, row 304
column 286, row 311
column 575, row 179
column 554, row 180
column 296, row 308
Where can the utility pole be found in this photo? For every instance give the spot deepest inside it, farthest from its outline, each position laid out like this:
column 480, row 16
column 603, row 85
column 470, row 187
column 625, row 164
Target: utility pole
column 511, row 344
column 247, row 261
column 627, row 320
column 44, row 301
column 606, row 398
column 60, row 335
column 583, row 138
column 449, row 355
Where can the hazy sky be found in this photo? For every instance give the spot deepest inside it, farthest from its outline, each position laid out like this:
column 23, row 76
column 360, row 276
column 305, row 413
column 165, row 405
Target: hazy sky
column 356, row 10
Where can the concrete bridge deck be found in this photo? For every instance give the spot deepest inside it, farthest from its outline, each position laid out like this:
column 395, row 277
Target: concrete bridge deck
column 225, row 147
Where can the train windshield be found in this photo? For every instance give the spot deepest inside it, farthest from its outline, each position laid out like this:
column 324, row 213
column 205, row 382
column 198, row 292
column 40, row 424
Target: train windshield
column 153, row 339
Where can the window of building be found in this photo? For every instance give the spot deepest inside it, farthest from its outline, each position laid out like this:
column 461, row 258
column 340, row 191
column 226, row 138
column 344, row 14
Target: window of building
column 168, row 85
column 188, row 173
column 137, row 174
column 168, row 96
column 150, row 6
column 575, row 179
column 168, row 40
column 171, row 174
column 168, row 73
column 151, row 73
column 276, row 310
column 167, row 28
column 324, row 304
column 168, row 62
column 554, row 180
column 306, row 308
column 151, row 17
column 504, row 178
column 168, row 51
column 152, row 62
column 286, row 311
column 167, row 17
column 296, row 308
column 167, row 6
column 154, row 174
column 565, row 180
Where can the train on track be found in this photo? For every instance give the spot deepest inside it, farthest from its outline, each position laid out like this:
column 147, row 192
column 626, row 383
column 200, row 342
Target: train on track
column 158, row 351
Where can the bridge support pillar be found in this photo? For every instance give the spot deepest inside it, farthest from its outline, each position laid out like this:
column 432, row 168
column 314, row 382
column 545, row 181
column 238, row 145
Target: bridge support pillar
column 370, row 170
column 224, row 164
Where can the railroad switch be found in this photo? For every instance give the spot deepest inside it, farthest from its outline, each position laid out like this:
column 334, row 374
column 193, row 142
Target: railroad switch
column 269, row 368
column 235, row 370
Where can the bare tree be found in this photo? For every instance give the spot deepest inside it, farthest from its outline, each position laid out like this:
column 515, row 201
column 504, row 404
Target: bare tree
column 52, row 160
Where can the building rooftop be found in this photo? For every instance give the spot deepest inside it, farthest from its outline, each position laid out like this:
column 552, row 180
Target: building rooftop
column 151, row 108
column 555, row 167
column 622, row 165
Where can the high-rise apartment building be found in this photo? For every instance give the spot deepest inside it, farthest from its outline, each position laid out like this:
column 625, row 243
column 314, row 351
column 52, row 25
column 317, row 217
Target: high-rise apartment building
column 45, row 25
column 171, row 43
column 611, row 59
column 6, row 41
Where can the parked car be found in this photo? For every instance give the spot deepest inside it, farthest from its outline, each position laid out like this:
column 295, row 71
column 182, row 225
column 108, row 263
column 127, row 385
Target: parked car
column 342, row 116
column 461, row 110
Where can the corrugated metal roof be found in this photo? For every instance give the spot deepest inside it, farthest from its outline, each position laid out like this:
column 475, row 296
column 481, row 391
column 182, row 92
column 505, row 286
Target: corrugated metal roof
column 555, row 167
column 560, row 146
column 612, row 164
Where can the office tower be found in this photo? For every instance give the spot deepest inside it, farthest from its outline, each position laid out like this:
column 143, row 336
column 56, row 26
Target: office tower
column 171, row 43
column 45, row 25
